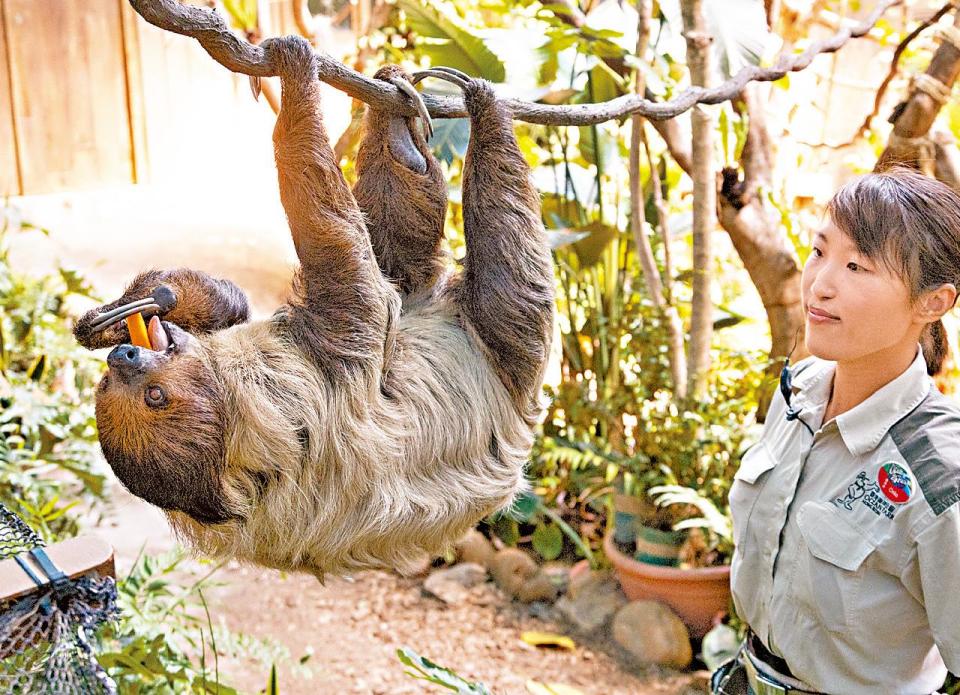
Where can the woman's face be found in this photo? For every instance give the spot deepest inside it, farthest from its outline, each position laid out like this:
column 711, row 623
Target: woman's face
column 854, row 307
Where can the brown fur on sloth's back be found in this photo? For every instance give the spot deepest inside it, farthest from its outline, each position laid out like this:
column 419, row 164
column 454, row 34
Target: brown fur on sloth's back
column 376, row 488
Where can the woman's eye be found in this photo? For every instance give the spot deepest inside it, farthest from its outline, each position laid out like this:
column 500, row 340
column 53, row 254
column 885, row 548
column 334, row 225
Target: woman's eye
column 854, row 267
column 817, row 252
column 155, row 396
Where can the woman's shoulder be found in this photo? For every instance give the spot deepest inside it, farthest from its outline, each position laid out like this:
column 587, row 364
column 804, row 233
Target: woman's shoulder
column 928, row 439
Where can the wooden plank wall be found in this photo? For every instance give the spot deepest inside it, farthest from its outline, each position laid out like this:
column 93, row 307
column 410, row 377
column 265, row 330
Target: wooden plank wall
column 91, row 95
column 69, row 93
column 9, row 181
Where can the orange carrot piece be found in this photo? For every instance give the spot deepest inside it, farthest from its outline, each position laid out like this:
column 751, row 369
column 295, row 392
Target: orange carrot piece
column 138, row 331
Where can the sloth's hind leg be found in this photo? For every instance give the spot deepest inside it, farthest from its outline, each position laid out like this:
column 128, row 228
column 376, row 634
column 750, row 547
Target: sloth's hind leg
column 507, row 286
column 402, row 194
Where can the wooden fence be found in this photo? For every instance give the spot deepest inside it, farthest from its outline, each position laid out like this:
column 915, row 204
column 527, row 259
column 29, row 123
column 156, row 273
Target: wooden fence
column 92, row 96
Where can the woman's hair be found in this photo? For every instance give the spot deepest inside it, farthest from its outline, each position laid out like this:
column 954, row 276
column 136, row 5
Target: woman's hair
column 910, row 224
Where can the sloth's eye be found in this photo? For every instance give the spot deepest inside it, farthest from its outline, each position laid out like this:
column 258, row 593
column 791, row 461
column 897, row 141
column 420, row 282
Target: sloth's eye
column 155, row 397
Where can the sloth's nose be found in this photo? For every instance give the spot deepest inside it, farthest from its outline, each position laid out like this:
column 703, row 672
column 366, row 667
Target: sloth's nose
column 126, row 359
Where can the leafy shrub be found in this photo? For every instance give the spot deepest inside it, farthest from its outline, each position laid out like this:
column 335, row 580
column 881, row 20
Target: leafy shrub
column 50, row 471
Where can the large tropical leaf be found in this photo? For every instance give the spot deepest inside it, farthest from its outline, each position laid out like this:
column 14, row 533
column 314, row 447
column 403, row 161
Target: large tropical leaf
column 450, row 138
column 243, row 13
column 738, row 27
column 449, row 42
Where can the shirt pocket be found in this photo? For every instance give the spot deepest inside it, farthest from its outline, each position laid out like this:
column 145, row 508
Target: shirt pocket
column 829, row 566
column 746, row 486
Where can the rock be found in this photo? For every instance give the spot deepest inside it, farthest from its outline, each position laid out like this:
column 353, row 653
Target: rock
column 539, row 587
column 511, row 568
column 653, row 634
column 591, row 601
column 474, row 547
column 590, row 582
column 451, row 584
column 559, row 574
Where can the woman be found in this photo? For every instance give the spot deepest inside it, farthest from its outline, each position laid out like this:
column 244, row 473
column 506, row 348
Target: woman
column 847, row 511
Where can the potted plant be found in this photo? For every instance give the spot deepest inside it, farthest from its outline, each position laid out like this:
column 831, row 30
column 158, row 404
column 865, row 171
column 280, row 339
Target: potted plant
column 672, row 535
column 695, row 590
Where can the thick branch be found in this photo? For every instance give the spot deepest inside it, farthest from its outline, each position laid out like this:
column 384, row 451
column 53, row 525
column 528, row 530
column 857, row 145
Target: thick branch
column 913, row 120
column 765, row 251
column 209, row 28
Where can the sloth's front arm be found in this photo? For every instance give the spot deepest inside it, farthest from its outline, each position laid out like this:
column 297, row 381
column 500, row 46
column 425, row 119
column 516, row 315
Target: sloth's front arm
column 344, row 305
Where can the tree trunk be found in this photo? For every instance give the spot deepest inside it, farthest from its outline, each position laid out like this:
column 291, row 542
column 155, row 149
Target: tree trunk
column 754, row 229
column 638, row 221
column 704, row 203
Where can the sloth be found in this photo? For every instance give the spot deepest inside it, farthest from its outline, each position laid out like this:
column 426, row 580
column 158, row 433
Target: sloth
column 389, row 405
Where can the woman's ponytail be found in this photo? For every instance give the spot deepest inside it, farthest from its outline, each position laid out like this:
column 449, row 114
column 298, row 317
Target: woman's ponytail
column 933, row 341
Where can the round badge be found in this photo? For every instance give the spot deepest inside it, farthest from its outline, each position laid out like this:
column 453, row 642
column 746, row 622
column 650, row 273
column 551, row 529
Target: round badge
column 895, row 482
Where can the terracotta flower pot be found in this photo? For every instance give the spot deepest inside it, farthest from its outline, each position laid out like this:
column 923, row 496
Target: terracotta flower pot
column 696, row 595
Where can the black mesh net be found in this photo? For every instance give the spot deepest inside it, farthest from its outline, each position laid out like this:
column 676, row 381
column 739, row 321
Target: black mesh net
column 45, row 636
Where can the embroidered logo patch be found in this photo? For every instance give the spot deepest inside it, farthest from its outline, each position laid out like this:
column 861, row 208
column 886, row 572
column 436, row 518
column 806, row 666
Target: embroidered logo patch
column 860, row 486
column 895, row 482
column 884, row 496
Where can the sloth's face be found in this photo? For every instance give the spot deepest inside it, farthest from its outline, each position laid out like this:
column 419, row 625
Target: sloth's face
column 160, row 416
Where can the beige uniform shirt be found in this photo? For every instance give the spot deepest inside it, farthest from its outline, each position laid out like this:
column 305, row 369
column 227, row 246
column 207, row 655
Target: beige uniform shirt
column 847, row 560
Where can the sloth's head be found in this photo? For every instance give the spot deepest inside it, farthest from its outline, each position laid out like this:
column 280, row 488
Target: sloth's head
column 161, row 420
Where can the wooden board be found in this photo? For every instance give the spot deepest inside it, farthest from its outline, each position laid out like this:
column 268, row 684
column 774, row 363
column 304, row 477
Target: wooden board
column 134, row 74
column 9, row 181
column 69, row 93
column 202, row 123
column 75, row 557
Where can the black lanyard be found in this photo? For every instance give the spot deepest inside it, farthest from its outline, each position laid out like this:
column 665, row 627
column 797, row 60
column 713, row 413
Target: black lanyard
column 786, row 382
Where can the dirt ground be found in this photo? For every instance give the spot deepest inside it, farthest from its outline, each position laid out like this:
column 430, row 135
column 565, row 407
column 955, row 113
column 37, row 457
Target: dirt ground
column 353, row 629
column 349, row 629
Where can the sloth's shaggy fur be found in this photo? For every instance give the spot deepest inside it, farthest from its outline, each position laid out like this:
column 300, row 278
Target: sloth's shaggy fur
column 385, row 409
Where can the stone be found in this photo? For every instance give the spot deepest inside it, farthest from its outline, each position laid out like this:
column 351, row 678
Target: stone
column 559, row 574
column 591, row 601
column 452, row 584
column 591, row 582
column 476, row 548
column 539, row 587
column 651, row 633
column 511, row 568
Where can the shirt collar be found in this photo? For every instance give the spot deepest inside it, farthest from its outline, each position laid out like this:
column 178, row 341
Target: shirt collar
column 863, row 426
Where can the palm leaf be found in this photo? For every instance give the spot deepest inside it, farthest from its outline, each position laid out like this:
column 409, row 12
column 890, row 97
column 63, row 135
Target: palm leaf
column 449, row 43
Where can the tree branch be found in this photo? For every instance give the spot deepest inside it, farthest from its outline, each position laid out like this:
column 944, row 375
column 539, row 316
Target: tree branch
column 908, row 144
column 892, row 72
column 209, row 28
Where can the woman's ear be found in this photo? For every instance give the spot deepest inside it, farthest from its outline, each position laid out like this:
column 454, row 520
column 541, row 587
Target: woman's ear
column 937, row 302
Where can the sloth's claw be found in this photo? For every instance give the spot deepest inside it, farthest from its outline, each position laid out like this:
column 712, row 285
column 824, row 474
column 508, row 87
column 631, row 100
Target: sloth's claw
column 122, row 312
column 407, row 88
column 453, row 71
column 446, row 74
column 163, row 299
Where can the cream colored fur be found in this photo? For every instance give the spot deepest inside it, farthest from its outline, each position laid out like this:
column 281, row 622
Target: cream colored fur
column 384, row 480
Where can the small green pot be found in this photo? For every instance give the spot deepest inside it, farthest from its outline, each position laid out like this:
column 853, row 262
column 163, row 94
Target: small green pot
column 626, row 509
column 656, row 547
